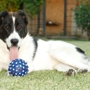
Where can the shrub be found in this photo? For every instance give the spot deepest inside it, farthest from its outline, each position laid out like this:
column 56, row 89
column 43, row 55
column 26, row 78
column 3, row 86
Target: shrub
column 82, row 17
column 10, row 5
column 32, row 7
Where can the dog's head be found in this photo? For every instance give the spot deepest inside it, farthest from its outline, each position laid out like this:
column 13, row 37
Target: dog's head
column 13, row 27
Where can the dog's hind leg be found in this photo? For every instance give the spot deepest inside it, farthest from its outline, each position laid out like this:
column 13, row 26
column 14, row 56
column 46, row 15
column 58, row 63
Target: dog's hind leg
column 72, row 61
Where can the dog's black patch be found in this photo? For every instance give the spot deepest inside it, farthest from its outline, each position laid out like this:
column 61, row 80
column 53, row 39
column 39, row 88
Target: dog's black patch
column 36, row 45
column 6, row 25
column 23, row 15
column 21, row 23
column 80, row 50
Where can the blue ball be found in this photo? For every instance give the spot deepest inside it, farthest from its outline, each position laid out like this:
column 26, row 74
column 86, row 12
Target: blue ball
column 18, row 67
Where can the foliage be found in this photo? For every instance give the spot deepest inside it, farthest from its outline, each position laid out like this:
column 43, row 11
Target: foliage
column 33, row 7
column 84, row 1
column 82, row 16
column 10, row 5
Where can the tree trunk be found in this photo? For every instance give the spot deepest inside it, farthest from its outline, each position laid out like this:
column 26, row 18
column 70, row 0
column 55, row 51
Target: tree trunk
column 88, row 34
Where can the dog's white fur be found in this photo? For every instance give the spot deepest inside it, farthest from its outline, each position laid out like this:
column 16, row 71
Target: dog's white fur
column 49, row 55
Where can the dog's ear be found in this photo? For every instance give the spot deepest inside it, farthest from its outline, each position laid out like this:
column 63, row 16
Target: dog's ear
column 24, row 16
column 3, row 15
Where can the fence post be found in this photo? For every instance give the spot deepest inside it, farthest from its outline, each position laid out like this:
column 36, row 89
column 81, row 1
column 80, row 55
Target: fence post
column 44, row 18
column 65, row 17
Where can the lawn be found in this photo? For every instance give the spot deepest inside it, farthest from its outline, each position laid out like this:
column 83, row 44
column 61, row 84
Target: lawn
column 48, row 80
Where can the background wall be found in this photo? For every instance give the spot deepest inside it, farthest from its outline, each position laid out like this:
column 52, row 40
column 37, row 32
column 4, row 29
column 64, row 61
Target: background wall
column 55, row 14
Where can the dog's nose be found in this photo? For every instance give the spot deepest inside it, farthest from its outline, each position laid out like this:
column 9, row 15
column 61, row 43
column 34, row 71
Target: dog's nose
column 14, row 42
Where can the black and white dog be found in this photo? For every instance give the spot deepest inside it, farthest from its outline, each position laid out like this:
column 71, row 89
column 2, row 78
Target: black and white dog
column 39, row 54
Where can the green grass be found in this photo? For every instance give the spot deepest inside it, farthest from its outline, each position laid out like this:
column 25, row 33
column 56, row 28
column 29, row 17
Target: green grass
column 48, row 80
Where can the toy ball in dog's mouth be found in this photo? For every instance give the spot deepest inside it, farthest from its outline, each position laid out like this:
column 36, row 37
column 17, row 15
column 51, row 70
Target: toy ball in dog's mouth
column 18, row 67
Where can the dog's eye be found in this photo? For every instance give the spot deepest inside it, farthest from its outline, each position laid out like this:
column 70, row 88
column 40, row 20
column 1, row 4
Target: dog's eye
column 19, row 26
column 7, row 27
